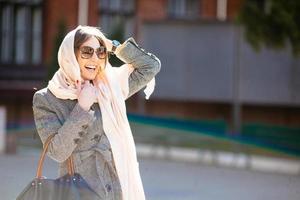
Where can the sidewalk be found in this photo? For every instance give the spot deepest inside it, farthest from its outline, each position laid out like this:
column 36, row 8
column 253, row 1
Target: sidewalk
column 159, row 142
column 221, row 158
column 165, row 179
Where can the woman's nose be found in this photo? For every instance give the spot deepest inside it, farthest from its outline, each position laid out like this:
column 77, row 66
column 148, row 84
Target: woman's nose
column 94, row 56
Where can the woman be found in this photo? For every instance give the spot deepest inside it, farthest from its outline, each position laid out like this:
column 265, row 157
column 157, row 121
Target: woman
column 84, row 106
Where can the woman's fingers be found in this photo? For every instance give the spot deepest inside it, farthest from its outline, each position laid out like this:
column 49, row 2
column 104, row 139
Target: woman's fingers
column 87, row 95
column 86, row 82
column 78, row 87
column 89, row 86
column 94, row 82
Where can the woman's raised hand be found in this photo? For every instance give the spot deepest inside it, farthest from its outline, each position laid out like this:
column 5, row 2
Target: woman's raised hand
column 86, row 95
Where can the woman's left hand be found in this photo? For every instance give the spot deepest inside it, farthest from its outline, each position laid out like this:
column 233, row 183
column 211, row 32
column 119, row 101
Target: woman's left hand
column 86, row 95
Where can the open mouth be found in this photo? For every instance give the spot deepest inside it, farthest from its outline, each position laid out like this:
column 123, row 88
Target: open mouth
column 91, row 68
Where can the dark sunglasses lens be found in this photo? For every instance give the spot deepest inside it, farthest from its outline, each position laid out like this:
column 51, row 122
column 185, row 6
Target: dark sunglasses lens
column 87, row 52
column 101, row 52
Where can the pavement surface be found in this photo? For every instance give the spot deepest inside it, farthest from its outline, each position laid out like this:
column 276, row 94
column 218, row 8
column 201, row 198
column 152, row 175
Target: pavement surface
column 165, row 179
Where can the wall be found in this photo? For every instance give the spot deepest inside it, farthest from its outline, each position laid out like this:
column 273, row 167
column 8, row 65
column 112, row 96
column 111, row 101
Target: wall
column 198, row 62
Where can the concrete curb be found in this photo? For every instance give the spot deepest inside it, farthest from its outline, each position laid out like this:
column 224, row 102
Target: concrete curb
column 216, row 158
column 219, row 158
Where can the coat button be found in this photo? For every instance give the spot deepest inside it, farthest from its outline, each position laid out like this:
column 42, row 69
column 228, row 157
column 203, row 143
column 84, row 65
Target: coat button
column 81, row 133
column 76, row 140
column 108, row 187
column 84, row 126
column 97, row 137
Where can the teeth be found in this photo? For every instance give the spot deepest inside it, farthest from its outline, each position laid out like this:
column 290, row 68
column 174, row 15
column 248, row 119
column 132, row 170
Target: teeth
column 91, row 66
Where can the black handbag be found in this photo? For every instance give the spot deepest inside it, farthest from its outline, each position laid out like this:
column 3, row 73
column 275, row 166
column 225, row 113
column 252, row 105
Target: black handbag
column 68, row 187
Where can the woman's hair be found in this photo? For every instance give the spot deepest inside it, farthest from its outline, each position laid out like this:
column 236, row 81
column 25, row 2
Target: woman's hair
column 85, row 33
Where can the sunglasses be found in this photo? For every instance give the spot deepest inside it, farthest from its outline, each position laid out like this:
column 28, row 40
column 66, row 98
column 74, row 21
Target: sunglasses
column 88, row 52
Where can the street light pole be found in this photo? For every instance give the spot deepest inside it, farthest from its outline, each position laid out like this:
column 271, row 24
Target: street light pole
column 83, row 9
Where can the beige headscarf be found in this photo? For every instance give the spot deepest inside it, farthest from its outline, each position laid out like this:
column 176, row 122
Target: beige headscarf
column 112, row 92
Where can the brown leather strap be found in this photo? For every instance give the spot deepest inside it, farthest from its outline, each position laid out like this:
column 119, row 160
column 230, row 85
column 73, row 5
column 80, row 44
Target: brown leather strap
column 71, row 170
column 42, row 158
column 71, row 165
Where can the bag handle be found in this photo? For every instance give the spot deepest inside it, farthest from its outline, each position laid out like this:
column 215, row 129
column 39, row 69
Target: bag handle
column 42, row 158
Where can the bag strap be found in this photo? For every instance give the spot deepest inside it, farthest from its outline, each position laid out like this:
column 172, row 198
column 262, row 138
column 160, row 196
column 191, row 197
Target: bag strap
column 42, row 158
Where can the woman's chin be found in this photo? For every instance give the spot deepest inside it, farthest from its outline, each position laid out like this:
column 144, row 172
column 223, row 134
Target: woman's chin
column 89, row 77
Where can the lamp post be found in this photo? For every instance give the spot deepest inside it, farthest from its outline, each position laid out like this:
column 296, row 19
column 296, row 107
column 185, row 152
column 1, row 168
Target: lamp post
column 83, row 9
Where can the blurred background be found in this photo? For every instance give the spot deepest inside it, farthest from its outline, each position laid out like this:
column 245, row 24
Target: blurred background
column 229, row 82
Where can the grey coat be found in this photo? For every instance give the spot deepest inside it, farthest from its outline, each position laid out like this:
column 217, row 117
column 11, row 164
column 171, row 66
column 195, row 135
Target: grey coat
column 81, row 134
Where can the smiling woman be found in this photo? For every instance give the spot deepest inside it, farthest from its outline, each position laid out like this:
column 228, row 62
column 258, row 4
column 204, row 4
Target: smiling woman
column 84, row 108
column 91, row 54
column 91, row 58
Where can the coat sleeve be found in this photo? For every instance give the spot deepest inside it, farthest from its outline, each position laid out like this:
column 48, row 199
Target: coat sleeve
column 144, row 65
column 67, row 133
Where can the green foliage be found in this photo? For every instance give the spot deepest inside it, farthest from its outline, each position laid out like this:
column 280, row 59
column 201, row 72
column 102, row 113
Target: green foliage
column 273, row 23
column 53, row 64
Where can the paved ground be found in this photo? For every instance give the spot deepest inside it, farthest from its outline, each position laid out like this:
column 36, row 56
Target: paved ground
column 169, row 180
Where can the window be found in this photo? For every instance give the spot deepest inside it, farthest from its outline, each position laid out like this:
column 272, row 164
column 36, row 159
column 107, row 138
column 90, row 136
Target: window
column 6, row 36
column 116, row 14
column 37, row 35
column 183, row 9
column 21, row 31
column 21, row 35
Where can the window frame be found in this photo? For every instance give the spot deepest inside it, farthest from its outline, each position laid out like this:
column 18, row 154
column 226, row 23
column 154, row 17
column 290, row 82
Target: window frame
column 179, row 9
column 115, row 10
column 27, row 37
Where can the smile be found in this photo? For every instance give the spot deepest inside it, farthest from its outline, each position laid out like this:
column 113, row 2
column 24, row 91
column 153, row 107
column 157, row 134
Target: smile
column 90, row 68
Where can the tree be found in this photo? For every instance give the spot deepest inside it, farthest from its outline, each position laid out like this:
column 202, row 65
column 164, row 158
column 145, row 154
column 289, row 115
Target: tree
column 273, row 23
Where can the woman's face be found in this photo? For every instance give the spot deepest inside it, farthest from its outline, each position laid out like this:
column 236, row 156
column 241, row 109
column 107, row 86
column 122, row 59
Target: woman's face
column 87, row 58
